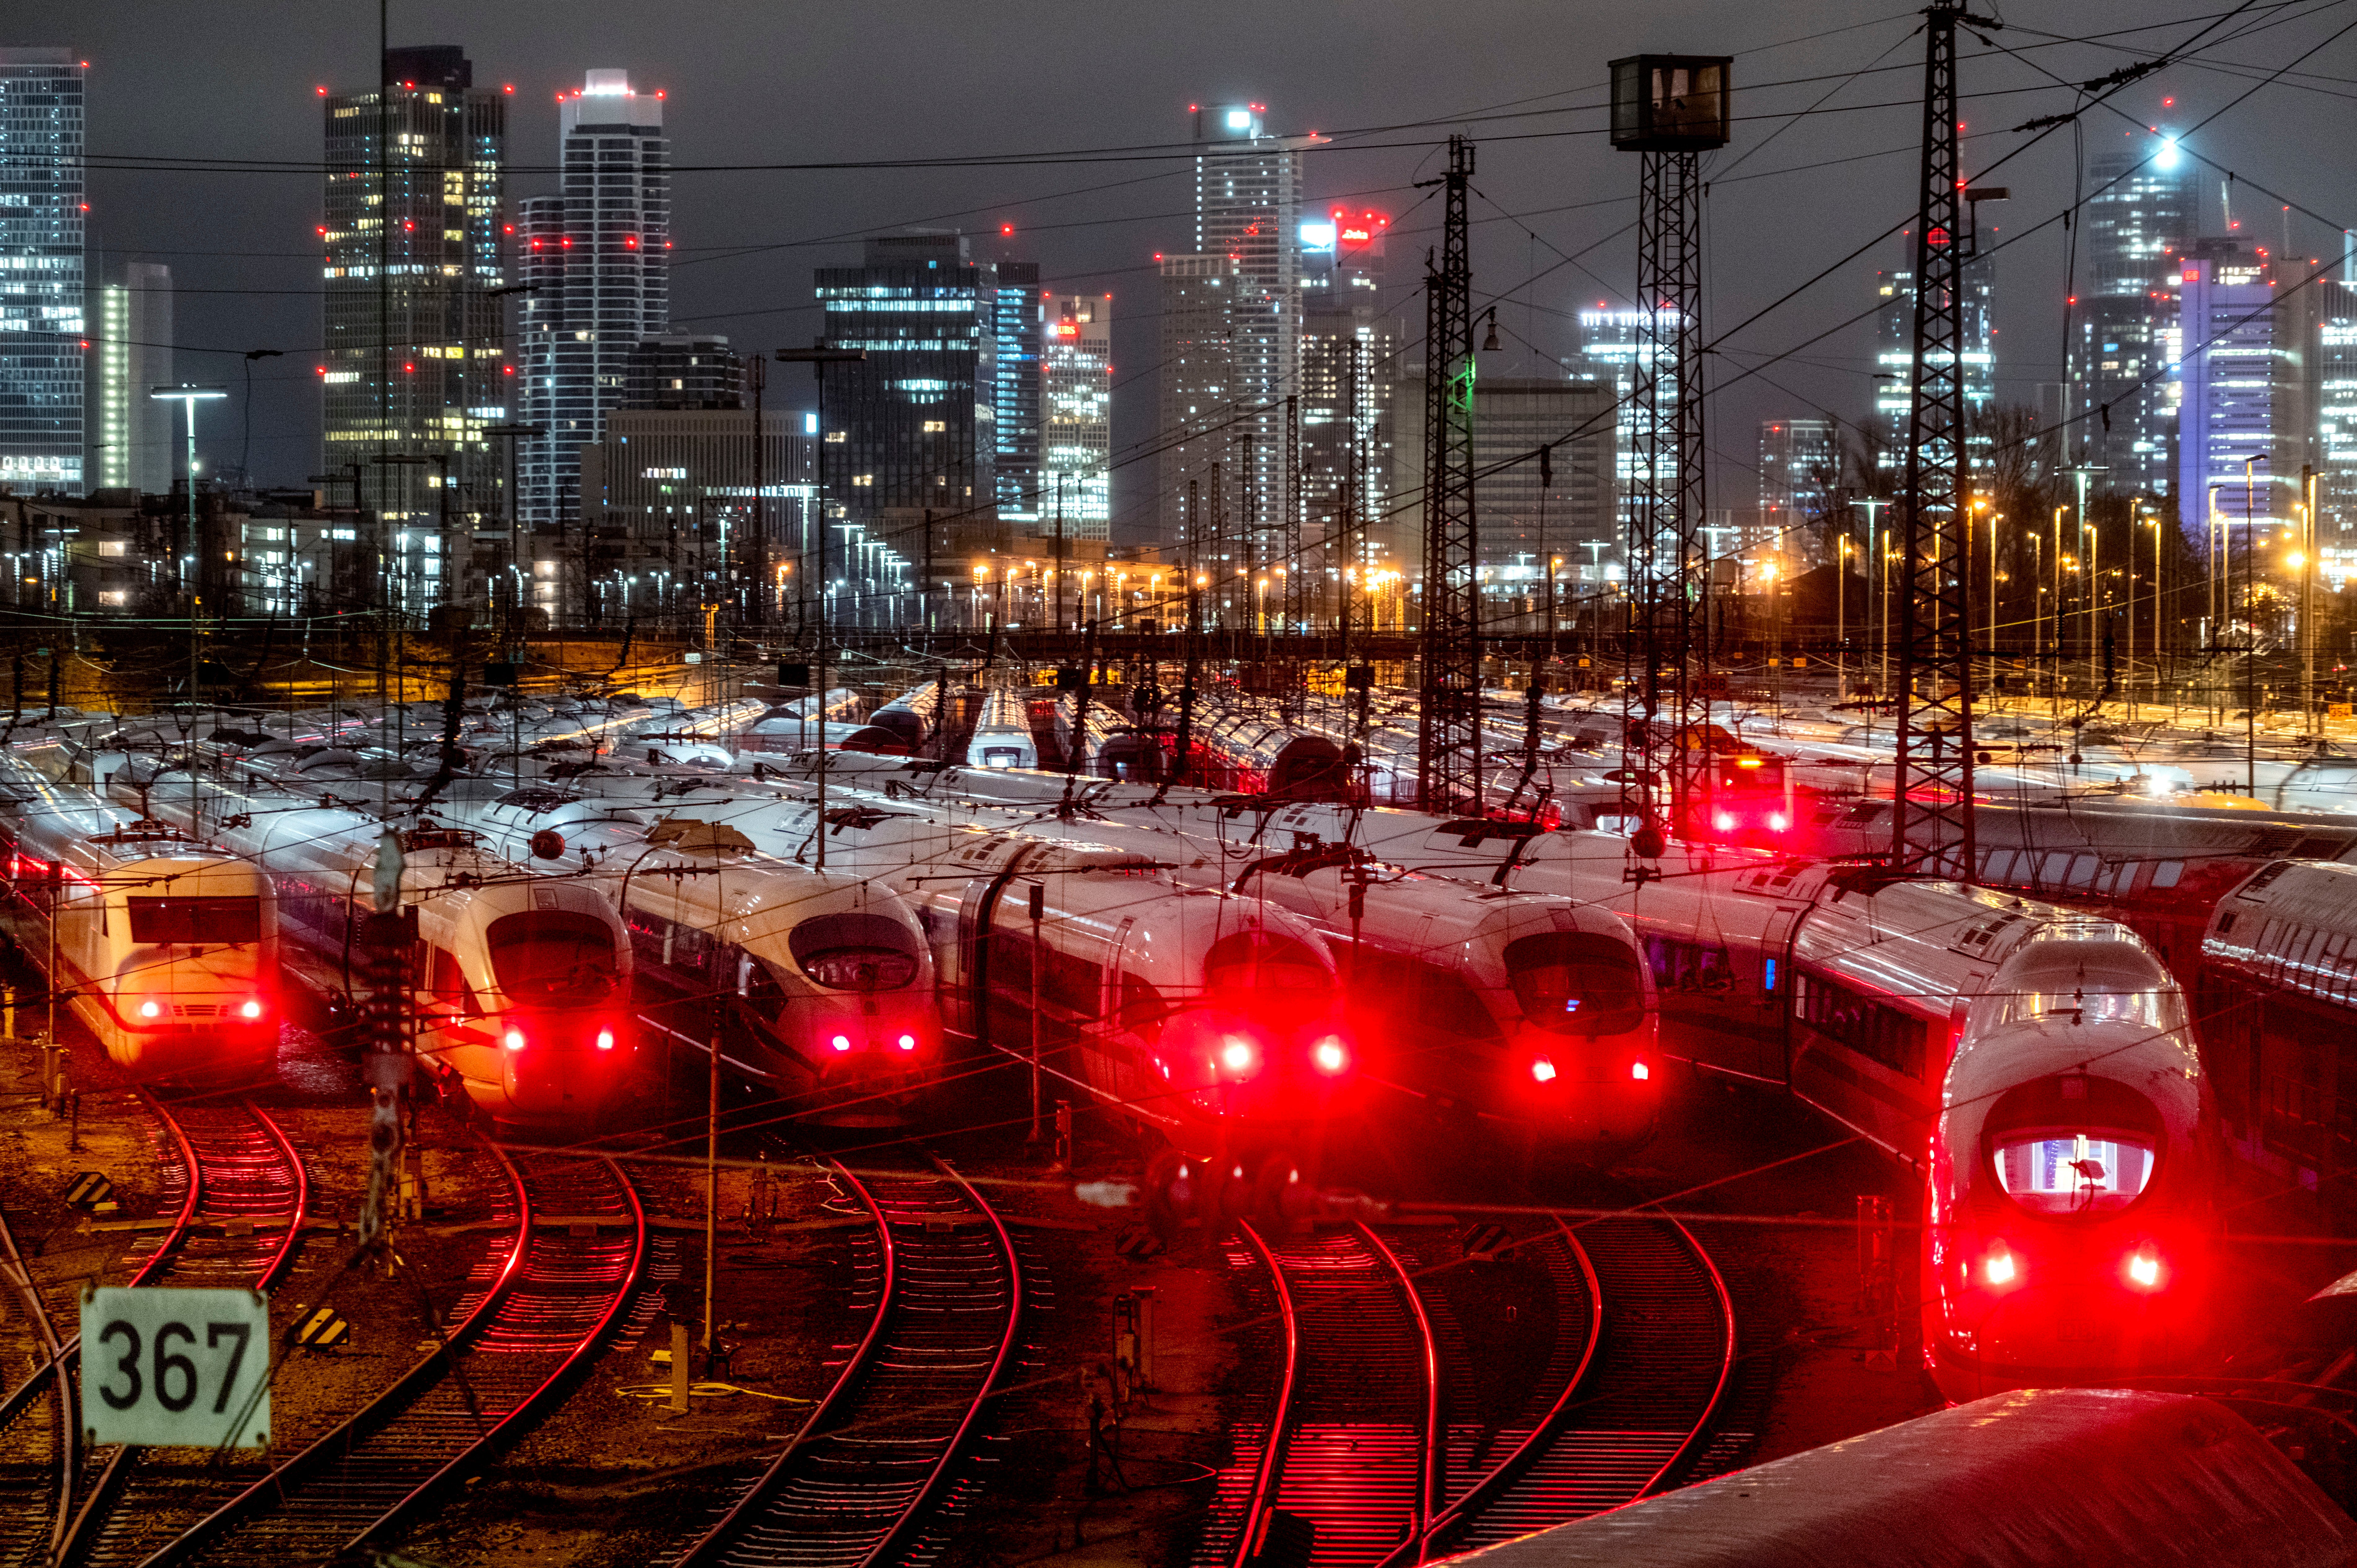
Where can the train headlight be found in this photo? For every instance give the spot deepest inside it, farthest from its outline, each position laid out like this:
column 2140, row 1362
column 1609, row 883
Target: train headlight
column 1999, row 1269
column 250, row 1009
column 2144, row 1269
column 513, row 1039
column 1542, row 1070
column 605, row 1040
column 151, row 1009
column 1331, row 1056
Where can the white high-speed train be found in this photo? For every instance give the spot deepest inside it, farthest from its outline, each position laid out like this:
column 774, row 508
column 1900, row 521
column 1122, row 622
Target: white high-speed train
column 521, row 983
column 1210, row 1017
column 824, row 980
column 1001, row 735
column 165, row 947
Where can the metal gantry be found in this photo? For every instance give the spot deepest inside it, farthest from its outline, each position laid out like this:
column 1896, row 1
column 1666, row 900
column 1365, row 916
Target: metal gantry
column 1672, row 109
column 1931, row 815
column 1448, row 741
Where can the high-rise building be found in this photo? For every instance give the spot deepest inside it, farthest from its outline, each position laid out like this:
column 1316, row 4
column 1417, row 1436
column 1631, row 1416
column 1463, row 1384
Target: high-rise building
column 909, row 427
column 1013, row 375
column 1521, row 523
column 2123, row 397
column 1350, row 344
column 1198, row 309
column 1614, row 345
column 2239, row 398
column 1800, row 475
column 414, row 364
column 683, row 372
column 1894, row 358
column 41, row 302
column 130, row 433
column 1247, row 213
column 2330, row 347
column 1076, row 397
column 597, row 260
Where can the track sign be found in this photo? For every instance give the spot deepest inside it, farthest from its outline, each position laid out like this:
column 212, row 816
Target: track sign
column 183, row 1368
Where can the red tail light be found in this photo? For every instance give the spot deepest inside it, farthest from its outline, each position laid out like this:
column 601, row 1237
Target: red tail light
column 1999, row 1269
column 840, row 1042
column 1331, row 1056
column 2144, row 1269
column 907, row 1042
column 151, row 1009
column 513, row 1039
column 250, row 1009
column 605, row 1040
column 1543, row 1071
column 1778, row 822
column 1724, row 821
column 1640, row 1071
column 1238, row 1056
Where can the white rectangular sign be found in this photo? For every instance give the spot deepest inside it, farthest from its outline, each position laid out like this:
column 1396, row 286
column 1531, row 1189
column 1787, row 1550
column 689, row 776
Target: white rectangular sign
column 187, row 1368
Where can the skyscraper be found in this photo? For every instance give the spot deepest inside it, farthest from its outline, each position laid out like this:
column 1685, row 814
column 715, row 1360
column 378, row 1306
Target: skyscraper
column 1350, row 344
column 597, row 260
column 2122, row 397
column 2237, row 400
column 1013, row 373
column 1613, row 345
column 2330, row 348
column 1894, row 359
column 130, row 433
column 41, row 304
column 1800, row 466
column 1076, row 394
column 414, row 366
column 1247, row 209
column 1199, row 311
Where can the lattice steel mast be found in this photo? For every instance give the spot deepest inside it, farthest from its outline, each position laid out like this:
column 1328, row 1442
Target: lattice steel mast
column 1672, row 108
column 1448, row 740
column 1931, row 814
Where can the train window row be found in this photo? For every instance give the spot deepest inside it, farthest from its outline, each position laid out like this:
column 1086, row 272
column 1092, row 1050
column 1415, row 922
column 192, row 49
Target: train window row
column 1689, row 966
column 1874, row 1030
column 2306, row 958
column 2072, row 871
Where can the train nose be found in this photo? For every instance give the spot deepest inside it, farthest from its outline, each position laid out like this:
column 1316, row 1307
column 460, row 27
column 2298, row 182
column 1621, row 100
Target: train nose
column 555, row 1065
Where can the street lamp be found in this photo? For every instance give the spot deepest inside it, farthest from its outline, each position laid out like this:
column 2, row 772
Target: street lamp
column 190, row 395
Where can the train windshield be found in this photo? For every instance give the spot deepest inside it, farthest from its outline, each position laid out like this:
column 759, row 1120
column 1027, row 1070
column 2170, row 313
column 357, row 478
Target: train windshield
column 2077, row 1172
column 853, row 952
column 554, row 955
column 1252, row 961
column 2157, row 1010
column 1577, row 983
column 213, row 922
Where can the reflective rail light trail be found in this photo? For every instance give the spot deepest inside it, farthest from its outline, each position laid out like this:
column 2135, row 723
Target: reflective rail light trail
column 1551, row 892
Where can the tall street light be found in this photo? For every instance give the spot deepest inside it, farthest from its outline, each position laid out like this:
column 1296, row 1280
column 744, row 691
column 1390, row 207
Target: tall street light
column 190, row 395
column 818, row 357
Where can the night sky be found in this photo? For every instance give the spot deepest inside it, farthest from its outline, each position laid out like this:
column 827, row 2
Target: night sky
column 750, row 84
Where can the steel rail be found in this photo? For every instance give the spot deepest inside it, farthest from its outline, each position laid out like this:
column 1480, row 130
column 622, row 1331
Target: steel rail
column 798, row 1514
column 64, row 1423
column 307, row 1502
column 1257, row 1510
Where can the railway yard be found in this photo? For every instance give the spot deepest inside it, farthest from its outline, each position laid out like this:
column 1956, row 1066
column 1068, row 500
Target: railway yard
column 1073, row 1162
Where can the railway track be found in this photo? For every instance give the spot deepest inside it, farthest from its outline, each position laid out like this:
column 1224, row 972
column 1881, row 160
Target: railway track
column 540, row 1306
column 35, row 1503
column 237, row 1188
column 1389, row 1441
column 869, row 1467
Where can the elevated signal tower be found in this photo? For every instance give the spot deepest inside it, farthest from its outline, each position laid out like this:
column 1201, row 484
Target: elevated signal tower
column 1673, row 109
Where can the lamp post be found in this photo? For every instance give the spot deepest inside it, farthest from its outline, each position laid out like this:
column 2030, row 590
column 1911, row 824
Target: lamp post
column 1840, row 619
column 1870, row 505
column 2309, row 720
column 189, row 394
column 818, row 357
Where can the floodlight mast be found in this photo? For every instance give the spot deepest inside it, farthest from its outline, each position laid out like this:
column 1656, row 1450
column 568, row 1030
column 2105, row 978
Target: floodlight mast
column 1673, row 109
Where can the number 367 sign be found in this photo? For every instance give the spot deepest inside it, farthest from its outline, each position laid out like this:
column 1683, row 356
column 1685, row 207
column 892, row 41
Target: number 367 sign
column 176, row 1368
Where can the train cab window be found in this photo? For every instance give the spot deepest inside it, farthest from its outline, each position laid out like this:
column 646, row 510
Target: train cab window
column 1142, row 1006
column 212, row 921
column 2167, row 873
column 446, row 983
column 553, row 955
column 2073, row 1174
column 1251, row 961
column 857, row 951
column 1573, row 982
column 1001, row 756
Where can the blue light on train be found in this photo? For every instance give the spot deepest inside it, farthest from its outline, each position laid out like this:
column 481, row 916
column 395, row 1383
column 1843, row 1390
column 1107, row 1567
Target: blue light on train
column 1770, row 982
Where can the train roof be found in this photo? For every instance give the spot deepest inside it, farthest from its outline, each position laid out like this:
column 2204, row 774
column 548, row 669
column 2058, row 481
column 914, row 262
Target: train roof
column 2321, row 894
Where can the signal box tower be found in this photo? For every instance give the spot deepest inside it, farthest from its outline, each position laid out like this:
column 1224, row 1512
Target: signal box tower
column 1673, row 109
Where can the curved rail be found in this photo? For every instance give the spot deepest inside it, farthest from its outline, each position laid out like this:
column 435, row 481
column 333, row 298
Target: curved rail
column 1354, row 1444
column 1642, row 1403
column 548, row 1307
column 20, row 1506
column 243, row 1171
column 1256, row 1506
column 849, row 1494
